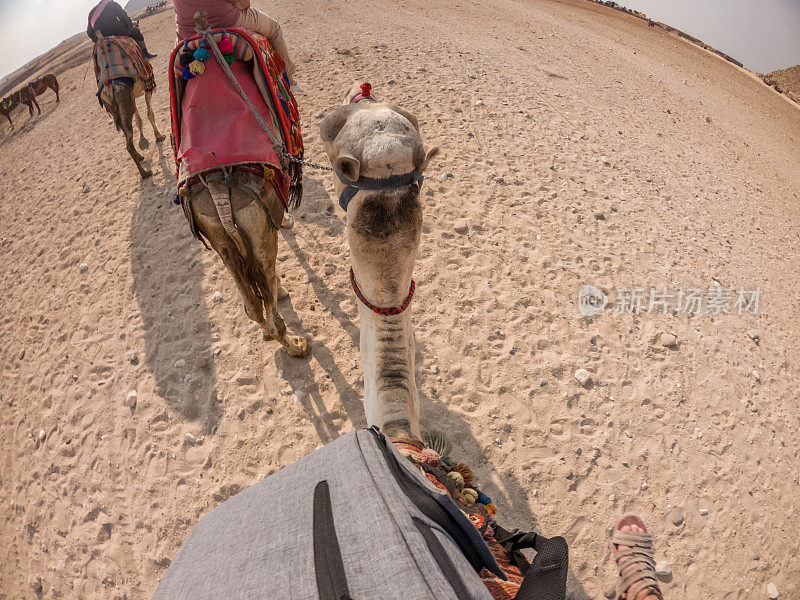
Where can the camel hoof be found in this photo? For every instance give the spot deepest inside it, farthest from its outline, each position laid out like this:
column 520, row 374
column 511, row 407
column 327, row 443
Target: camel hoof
column 143, row 144
column 282, row 293
column 145, row 173
column 296, row 346
column 160, row 137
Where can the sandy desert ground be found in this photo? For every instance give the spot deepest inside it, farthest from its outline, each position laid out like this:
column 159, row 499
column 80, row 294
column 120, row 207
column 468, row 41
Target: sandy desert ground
column 583, row 148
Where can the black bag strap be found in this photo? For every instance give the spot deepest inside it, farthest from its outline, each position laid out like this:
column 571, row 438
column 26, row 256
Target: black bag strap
column 546, row 577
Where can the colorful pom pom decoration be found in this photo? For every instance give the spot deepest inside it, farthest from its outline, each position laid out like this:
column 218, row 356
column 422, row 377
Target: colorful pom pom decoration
column 465, row 471
column 186, row 73
column 185, row 58
column 469, row 495
column 483, row 498
column 197, row 68
column 201, row 54
column 491, row 509
column 229, row 57
column 457, row 478
column 431, row 457
column 225, row 45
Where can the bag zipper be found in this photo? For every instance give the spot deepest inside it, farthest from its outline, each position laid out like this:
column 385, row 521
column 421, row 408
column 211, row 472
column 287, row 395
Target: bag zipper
column 328, row 565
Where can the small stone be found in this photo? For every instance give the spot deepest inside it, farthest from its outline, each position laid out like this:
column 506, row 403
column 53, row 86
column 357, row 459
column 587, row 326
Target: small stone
column 599, row 216
column 217, row 297
column 179, row 364
column 644, row 485
column 676, row 516
column 703, row 512
column 282, row 293
column 772, row 590
column 217, row 351
column 445, row 176
column 708, row 119
column 478, row 102
column 255, row 326
column 299, row 394
column 755, row 336
column 663, row 569
column 240, row 414
column 319, row 114
column 435, row 369
column 83, row 267
column 543, row 382
column 668, row 340
column 461, row 227
column 35, row 584
column 190, row 439
column 583, row 376
column 131, row 399
column 330, row 269
column 288, row 221
column 756, row 375
column 42, row 435
column 132, row 358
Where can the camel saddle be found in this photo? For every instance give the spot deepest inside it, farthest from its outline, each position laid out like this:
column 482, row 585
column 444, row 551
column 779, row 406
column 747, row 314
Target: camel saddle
column 119, row 57
column 213, row 129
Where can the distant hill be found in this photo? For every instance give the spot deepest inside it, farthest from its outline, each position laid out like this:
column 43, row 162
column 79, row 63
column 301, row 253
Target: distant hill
column 786, row 81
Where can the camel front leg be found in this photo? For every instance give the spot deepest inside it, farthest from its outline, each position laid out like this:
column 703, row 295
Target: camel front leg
column 160, row 137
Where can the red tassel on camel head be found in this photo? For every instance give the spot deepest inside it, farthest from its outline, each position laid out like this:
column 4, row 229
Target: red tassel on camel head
column 366, row 90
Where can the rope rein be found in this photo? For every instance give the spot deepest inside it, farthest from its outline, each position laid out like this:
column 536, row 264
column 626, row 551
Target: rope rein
column 276, row 145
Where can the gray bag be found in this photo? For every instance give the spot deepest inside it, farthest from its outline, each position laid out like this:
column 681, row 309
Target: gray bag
column 354, row 520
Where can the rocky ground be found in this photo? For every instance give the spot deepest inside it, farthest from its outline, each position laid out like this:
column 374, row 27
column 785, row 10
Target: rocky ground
column 579, row 147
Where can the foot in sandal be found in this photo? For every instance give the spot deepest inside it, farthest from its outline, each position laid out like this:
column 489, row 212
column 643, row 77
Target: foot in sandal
column 633, row 551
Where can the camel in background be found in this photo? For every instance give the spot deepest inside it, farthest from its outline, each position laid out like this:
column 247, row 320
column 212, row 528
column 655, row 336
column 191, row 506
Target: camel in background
column 378, row 156
column 44, row 83
column 24, row 95
column 118, row 97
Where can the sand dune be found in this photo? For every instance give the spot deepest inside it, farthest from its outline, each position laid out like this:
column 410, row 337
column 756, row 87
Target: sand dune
column 584, row 148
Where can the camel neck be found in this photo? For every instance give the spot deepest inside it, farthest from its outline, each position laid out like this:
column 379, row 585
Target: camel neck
column 391, row 400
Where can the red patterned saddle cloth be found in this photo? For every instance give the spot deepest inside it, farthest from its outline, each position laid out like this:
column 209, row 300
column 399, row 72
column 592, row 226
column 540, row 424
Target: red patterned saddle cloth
column 213, row 129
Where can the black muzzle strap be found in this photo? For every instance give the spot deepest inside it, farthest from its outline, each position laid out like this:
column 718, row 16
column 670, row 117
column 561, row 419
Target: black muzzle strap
column 393, row 182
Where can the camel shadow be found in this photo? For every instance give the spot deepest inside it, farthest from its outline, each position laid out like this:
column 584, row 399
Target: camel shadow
column 298, row 372
column 168, row 285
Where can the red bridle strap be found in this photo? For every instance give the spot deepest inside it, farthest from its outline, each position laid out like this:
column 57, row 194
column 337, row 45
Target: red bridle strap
column 390, row 311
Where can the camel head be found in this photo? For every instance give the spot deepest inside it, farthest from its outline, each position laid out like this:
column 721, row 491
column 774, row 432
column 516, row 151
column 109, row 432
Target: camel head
column 378, row 156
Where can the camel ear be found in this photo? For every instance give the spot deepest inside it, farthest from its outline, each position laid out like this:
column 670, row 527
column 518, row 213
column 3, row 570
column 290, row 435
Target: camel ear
column 347, row 165
column 430, row 154
column 332, row 124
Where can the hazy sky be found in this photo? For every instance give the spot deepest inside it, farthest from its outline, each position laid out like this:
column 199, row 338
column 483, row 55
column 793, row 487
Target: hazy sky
column 29, row 28
column 763, row 34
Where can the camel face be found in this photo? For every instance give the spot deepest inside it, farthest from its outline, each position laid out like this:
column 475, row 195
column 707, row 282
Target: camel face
column 373, row 141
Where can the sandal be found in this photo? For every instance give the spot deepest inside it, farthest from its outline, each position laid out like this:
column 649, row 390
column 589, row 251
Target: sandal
column 636, row 562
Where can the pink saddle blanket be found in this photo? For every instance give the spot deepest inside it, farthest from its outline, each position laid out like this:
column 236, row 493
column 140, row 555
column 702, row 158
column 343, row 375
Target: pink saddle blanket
column 218, row 129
